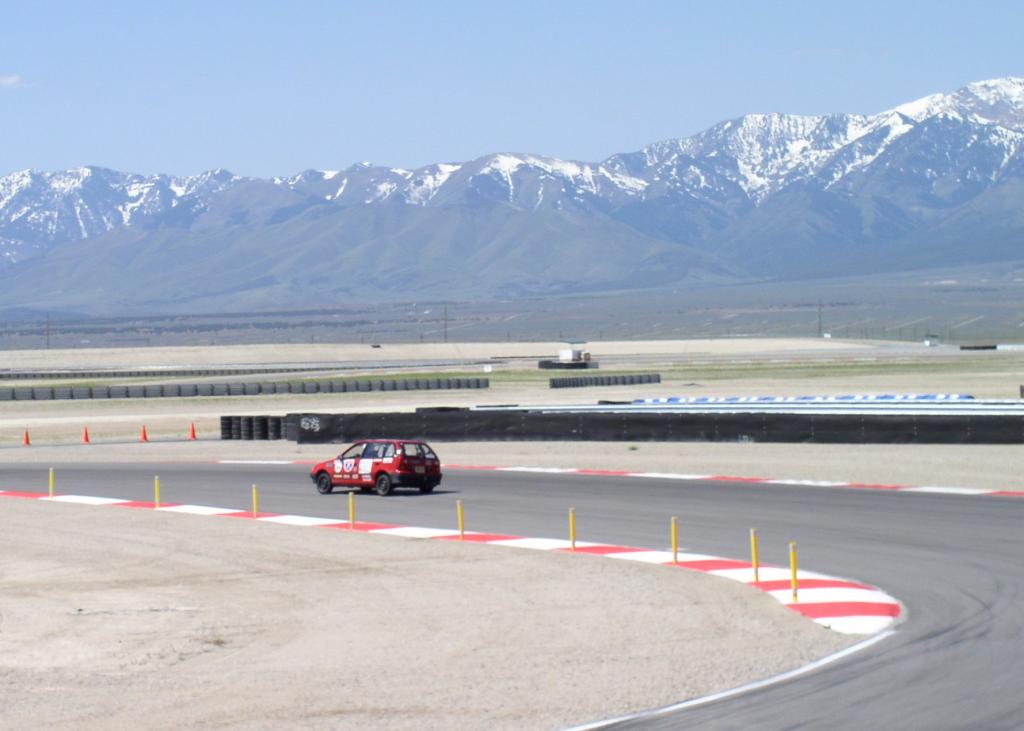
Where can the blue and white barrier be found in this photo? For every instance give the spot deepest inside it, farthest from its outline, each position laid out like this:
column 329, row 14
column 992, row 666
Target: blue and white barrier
column 867, row 397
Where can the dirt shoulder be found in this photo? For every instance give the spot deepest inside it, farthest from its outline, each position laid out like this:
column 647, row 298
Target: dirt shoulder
column 113, row 617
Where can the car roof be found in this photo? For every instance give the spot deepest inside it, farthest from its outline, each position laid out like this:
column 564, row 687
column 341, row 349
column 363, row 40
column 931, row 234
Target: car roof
column 409, row 441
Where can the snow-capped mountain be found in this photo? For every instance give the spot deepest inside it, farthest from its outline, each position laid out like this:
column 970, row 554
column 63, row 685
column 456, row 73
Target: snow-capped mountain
column 762, row 195
column 38, row 209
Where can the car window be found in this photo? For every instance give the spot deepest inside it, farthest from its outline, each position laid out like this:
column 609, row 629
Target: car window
column 372, row 451
column 414, row 449
column 386, row 450
column 352, row 452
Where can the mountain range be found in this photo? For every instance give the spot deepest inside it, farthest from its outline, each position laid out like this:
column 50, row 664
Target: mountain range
column 936, row 182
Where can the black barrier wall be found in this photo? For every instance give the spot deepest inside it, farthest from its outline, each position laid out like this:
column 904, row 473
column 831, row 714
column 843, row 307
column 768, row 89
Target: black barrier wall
column 620, row 380
column 466, row 425
column 46, row 393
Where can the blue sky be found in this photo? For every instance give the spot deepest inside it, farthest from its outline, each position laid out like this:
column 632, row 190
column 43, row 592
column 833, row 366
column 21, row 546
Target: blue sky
column 274, row 88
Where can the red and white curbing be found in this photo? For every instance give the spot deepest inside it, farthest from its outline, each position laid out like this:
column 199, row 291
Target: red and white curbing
column 933, row 489
column 845, row 606
column 751, row 480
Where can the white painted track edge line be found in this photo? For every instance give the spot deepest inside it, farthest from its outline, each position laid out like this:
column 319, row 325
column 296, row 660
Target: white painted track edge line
column 756, row 685
column 255, row 461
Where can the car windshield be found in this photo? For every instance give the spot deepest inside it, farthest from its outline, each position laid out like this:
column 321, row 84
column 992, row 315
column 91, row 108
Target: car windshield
column 415, row 449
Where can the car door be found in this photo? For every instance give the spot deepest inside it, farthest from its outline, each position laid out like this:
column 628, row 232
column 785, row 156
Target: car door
column 370, row 456
column 346, row 466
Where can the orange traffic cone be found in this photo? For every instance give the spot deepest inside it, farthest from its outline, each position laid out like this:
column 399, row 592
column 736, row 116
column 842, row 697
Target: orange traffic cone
column 192, row 432
column 85, row 435
column 143, row 436
column 25, row 441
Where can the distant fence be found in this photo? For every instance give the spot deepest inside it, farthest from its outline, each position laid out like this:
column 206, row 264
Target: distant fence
column 620, row 380
column 190, row 390
column 455, row 424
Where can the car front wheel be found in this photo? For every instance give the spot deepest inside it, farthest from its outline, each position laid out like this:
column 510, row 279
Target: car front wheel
column 323, row 484
column 383, row 484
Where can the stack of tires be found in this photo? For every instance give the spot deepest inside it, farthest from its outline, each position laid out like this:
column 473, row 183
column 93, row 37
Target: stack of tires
column 252, row 427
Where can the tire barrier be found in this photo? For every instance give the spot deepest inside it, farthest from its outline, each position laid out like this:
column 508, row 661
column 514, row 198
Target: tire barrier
column 221, row 372
column 622, row 380
column 252, row 427
column 566, row 365
column 470, row 425
column 159, row 373
column 47, row 393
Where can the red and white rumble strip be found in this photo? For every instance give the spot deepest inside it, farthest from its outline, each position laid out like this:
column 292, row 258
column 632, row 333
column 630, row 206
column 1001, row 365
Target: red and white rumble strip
column 935, row 489
column 844, row 606
column 750, row 480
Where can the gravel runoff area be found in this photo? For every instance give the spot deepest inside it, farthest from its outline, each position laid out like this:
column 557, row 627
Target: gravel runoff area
column 119, row 618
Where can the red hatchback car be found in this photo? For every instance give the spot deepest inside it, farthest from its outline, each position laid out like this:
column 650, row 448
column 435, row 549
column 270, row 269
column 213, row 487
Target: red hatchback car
column 380, row 464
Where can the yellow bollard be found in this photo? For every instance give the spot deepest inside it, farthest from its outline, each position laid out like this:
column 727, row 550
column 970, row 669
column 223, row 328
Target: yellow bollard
column 351, row 511
column 755, row 562
column 572, row 528
column 792, row 568
column 462, row 520
column 53, row 481
column 675, row 540
column 156, row 491
column 255, row 501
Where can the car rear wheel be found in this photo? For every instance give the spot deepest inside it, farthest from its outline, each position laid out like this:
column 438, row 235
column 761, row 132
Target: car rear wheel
column 323, row 484
column 383, row 484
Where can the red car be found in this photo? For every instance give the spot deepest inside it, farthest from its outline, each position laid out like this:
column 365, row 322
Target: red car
column 380, row 464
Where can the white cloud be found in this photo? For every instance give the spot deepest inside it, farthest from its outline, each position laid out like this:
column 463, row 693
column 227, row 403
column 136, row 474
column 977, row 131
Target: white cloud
column 10, row 81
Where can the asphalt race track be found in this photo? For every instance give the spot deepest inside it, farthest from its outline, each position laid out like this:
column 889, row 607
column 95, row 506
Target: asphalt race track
column 955, row 561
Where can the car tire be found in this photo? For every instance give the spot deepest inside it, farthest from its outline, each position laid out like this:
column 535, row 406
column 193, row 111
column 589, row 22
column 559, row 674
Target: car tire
column 383, row 484
column 323, row 484
column 426, row 488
